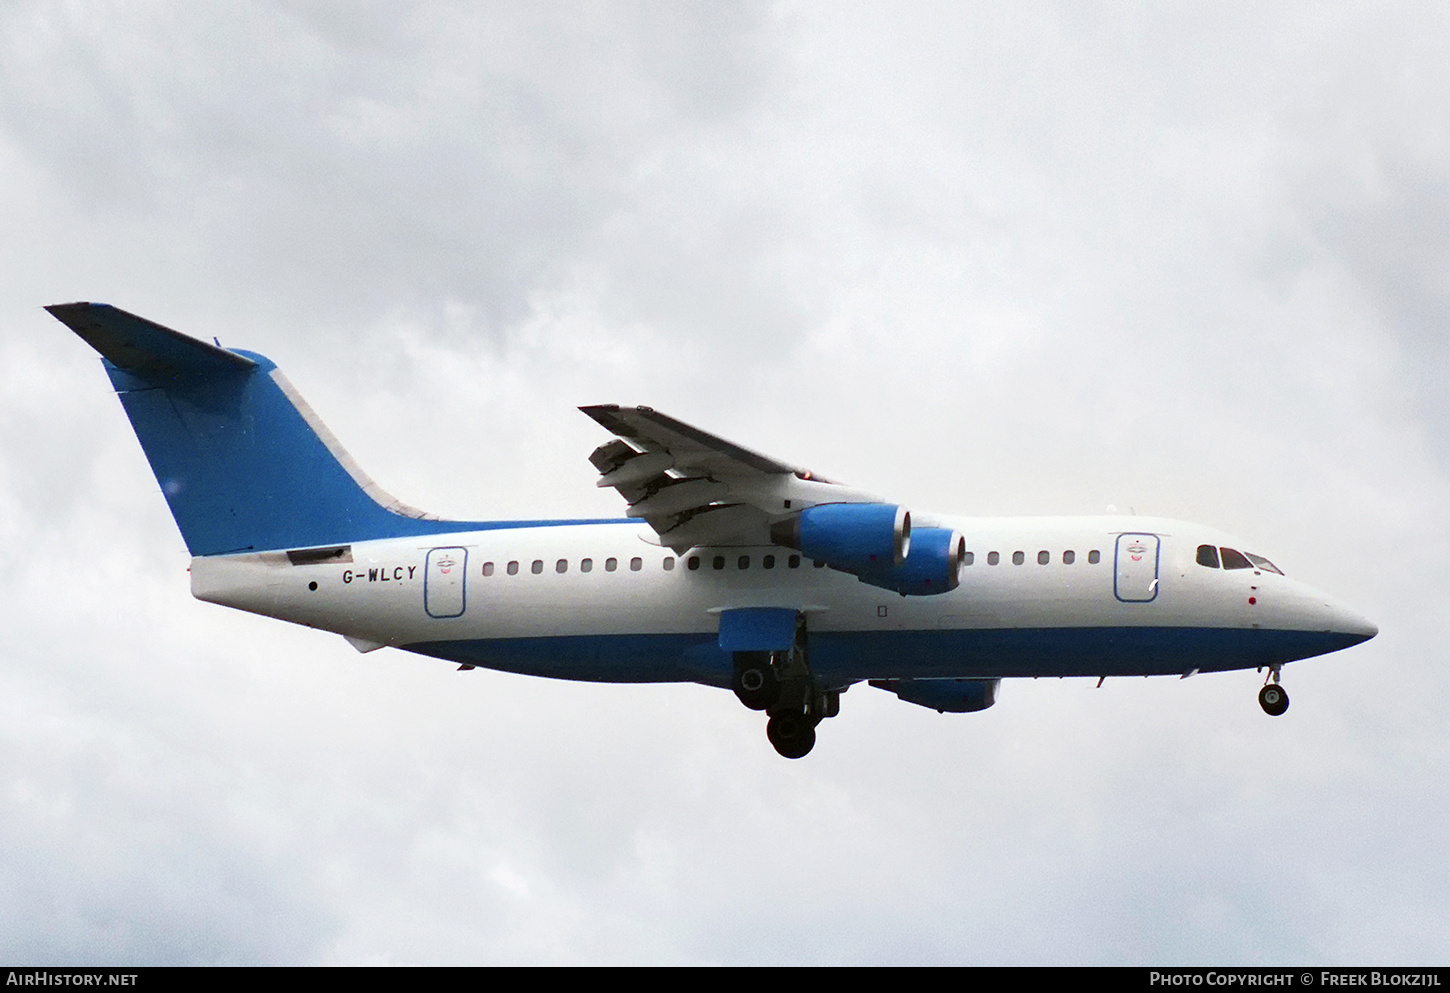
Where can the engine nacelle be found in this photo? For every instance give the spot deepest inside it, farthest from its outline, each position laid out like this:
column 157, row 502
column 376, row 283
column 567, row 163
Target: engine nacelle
column 933, row 565
column 852, row 537
column 957, row 696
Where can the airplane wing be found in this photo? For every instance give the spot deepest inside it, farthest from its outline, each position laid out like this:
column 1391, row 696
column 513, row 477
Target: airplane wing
column 694, row 488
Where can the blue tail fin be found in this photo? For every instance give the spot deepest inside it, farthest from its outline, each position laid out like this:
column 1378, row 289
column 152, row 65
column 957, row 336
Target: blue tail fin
column 244, row 463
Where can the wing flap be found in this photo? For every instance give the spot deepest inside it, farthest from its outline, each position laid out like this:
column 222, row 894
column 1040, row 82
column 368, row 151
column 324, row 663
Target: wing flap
column 638, row 468
column 725, row 524
column 675, row 496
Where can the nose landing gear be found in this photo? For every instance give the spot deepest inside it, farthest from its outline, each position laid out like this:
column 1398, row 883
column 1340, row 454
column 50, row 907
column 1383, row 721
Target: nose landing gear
column 1272, row 697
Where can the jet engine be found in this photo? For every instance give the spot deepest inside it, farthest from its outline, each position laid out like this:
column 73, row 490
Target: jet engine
column 934, row 565
column 875, row 543
column 852, row 537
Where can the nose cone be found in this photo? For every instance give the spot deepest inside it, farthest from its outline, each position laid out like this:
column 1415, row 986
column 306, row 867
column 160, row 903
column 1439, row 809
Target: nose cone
column 1353, row 625
column 1347, row 626
column 1327, row 625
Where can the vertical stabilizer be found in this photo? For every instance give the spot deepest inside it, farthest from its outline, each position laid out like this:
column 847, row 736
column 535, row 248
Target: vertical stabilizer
column 244, row 463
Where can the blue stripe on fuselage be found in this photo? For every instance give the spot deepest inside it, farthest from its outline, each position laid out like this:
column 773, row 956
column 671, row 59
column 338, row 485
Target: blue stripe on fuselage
column 839, row 658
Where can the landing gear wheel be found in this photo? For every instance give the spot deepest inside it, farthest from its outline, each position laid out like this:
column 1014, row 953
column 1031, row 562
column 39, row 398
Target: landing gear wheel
column 1273, row 699
column 793, row 735
column 756, row 683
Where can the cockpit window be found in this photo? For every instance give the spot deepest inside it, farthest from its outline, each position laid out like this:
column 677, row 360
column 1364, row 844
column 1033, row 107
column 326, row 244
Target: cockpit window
column 1233, row 559
column 1260, row 562
column 1208, row 555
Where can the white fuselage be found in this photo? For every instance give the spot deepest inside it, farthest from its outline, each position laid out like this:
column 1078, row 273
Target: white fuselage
column 601, row 601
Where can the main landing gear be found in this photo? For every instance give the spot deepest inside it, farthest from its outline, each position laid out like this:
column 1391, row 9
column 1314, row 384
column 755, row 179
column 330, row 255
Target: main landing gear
column 781, row 684
column 1272, row 697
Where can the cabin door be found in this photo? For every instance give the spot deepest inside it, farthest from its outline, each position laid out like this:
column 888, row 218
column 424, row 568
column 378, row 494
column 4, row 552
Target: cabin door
column 1135, row 577
column 444, row 580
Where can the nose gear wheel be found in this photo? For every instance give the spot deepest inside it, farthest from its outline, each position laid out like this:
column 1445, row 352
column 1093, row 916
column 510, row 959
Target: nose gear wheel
column 1272, row 697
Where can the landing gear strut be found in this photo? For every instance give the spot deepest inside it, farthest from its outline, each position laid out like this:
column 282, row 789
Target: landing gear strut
column 782, row 685
column 1272, row 697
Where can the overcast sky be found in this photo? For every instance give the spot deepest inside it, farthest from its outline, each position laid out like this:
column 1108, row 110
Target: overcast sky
column 988, row 259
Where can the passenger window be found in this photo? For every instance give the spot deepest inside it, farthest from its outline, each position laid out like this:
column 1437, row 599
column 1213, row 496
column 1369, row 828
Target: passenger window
column 1043, row 558
column 1233, row 559
column 513, row 569
column 1069, row 557
column 1208, row 556
column 717, row 563
column 744, row 562
column 794, row 561
column 1018, row 558
column 993, row 558
column 611, row 564
column 586, row 565
column 669, row 563
column 537, row 567
column 969, row 558
column 768, row 562
column 636, row 564
column 561, row 566
column 817, row 565
column 488, row 568
column 692, row 563
column 1094, row 557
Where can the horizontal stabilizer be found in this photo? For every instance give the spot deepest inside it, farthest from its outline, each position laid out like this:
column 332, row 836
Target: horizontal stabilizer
column 145, row 348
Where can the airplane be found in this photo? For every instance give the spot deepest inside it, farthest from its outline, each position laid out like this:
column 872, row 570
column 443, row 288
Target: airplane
column 730, row 568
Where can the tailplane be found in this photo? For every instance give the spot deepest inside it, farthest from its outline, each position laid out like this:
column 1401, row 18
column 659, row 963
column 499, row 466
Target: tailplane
column 244, row 463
